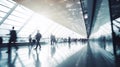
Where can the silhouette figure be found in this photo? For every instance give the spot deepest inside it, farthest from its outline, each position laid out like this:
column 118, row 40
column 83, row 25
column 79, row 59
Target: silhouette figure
column 69, row 41
column 13, row 37
column 38, row 37
column 104, row 41
column 30, row 40
column 12, row 40
column 1, row 41
column 33, row 42
column 30, row 45
column 52, row 39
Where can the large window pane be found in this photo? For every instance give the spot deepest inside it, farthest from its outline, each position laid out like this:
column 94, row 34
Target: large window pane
column 115, row 21
column 23, row 10
column 10, row 22
column 101, row 27
column 16, row 18
column 23, row 15
column 4, row 8
column 9, row 27
column 2, row 14
column 3, row 32
column 6, row 3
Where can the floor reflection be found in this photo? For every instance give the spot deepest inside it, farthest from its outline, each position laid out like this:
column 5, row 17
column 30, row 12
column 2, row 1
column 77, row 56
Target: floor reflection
column 14, row 59
column 53, row 50
column 84, row 54
column 92, row 55
column 105, row 58
column 106, row 45
column 36, row 59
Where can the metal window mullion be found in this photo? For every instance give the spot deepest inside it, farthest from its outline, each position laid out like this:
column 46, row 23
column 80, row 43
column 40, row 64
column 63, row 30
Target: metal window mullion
column 1, row 17
column 116, row 26
column 14, row 20
column 12, row 9
column 83, row 13
column 22, row 13
column 5, row 6
column 11, row 24
column 113, row 33
column 11, row 1
column 3, row 11
column 5, row 29
column 117, row 21
column 17, row 16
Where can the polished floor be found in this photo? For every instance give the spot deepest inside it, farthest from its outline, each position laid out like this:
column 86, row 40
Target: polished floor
column 60, row 55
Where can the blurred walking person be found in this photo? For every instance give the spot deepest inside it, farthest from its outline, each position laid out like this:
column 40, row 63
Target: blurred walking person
column 13, row 39
column 1, row 41
column 38, row 37
column 30, row 41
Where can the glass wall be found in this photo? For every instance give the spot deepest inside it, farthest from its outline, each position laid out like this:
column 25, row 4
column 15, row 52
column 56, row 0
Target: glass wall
column 11, row 15
column 101, row 25
column 115, row 21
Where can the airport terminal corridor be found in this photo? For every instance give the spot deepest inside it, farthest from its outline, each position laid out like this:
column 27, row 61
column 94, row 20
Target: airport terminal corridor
column 59, row 33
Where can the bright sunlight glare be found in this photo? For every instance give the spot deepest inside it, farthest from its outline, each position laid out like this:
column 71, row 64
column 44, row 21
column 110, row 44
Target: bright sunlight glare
column 46, row 28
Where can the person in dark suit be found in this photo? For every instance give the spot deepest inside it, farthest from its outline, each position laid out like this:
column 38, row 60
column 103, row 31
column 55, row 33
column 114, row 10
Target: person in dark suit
column 38, row 37
column 1, row 41
column 12, row 42
column 12, row 39
column 30, row 40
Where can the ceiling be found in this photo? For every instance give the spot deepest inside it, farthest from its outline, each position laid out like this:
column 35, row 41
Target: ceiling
column 65, row 12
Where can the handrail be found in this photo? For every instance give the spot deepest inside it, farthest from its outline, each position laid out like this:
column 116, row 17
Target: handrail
column 22, row 39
